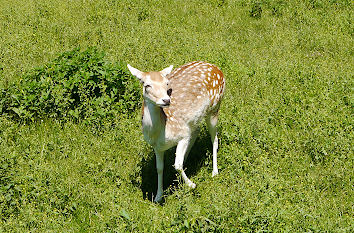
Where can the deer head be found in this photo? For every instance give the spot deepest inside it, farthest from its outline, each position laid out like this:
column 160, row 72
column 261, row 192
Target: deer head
column 156, row 88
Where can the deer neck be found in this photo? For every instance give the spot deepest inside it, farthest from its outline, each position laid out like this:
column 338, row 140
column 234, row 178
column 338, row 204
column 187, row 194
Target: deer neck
column 154, row 121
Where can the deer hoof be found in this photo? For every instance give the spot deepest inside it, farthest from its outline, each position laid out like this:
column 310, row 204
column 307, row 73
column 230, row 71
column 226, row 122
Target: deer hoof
column 192, row 185
column 158, row 199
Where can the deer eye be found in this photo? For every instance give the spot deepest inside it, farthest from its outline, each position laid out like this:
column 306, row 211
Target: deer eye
column 169, row 92
column 147, row 88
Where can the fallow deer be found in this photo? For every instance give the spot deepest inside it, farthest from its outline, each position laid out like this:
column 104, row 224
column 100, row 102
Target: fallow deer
column 174, row 105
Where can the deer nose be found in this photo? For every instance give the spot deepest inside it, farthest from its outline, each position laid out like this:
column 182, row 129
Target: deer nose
column 167, row 101
column 169, row 92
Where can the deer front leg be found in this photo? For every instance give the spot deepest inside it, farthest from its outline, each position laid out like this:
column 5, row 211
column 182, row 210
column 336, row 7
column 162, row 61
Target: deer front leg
column 159, row 169
column 182, row 148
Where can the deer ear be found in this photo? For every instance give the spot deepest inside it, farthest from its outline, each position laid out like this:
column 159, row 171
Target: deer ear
column 167, row 70
column 137, row 73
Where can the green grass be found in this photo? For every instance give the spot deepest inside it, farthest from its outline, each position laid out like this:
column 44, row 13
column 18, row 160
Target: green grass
column 286, row 122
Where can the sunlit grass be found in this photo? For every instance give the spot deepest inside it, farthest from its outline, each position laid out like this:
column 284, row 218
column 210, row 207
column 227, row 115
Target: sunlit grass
column 286, row 122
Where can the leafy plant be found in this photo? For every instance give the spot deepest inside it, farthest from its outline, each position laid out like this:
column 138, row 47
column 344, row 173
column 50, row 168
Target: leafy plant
column 9, row 191
column 79, row 85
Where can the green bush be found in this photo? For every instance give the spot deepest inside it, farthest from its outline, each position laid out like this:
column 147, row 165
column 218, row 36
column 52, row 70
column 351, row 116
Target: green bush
column 79, row 85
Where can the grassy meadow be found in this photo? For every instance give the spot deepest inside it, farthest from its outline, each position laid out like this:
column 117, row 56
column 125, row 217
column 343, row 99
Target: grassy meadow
column 286, row 122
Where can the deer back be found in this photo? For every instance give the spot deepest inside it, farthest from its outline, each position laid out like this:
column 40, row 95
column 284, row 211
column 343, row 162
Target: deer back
column 197, row 89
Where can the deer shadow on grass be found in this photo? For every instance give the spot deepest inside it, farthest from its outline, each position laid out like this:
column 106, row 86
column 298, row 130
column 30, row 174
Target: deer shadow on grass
column 200, row 152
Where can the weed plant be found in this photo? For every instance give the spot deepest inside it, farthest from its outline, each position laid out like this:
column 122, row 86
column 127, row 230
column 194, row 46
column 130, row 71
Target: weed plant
column 78, row 85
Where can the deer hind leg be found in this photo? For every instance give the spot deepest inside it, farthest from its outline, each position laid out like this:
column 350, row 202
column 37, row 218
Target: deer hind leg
column 159, row 168
column 211, row 121
column 181, row 150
